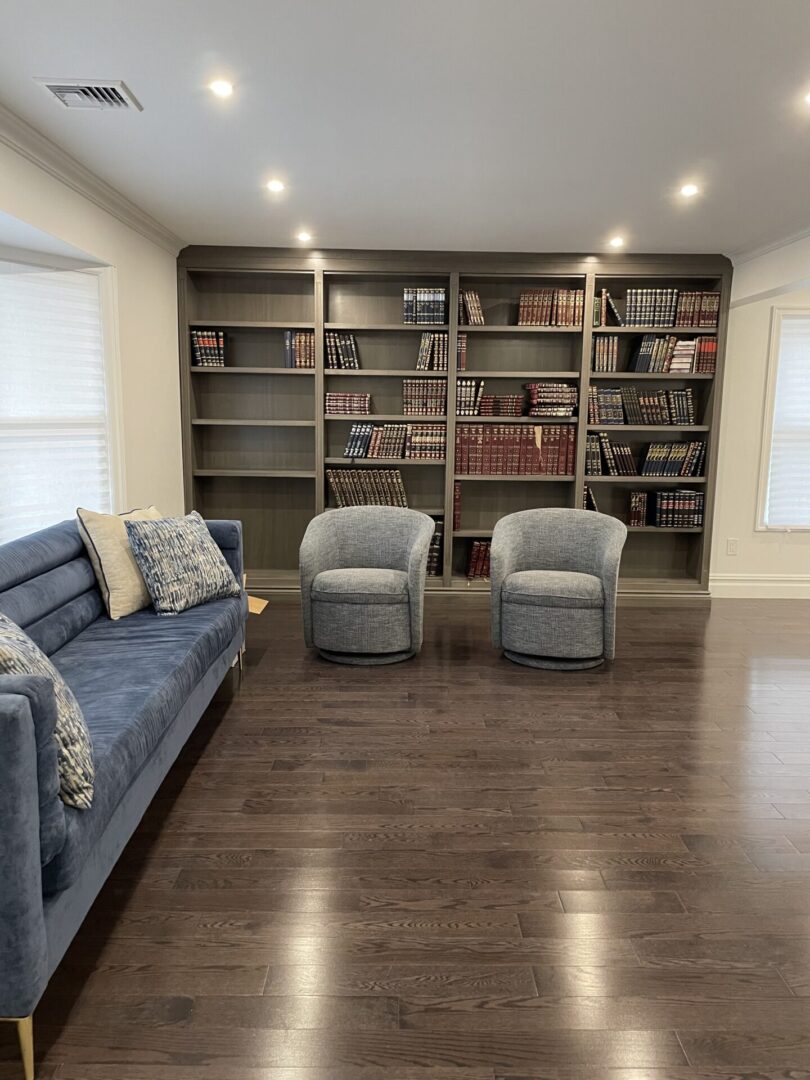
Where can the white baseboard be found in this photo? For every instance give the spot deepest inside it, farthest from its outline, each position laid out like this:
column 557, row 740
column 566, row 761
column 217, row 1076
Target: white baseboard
column 760, row 586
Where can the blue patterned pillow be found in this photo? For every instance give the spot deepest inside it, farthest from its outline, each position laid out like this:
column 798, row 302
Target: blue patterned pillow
column 19, row 655
column 180, row 562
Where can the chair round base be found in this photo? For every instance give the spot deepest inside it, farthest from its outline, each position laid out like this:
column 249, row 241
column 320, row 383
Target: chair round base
column 366, row 659
column 553, row 663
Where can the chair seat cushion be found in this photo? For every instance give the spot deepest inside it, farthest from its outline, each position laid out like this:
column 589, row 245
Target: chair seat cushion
column 361, row 585
column 553, row 588
column 131, row 677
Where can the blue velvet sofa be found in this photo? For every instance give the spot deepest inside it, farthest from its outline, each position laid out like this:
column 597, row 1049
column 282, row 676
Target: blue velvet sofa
column 143, row 682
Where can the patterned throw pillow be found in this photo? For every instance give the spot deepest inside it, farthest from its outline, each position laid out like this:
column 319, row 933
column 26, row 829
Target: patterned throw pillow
column 180, row 562
column 19, row 655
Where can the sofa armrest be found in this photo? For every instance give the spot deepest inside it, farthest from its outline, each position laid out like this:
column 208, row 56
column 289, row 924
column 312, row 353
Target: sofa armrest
column 228, row 538
column 38, row 691
column 23, row 941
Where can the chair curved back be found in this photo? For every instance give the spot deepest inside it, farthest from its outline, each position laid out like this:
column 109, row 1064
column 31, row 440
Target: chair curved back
column 557, row 538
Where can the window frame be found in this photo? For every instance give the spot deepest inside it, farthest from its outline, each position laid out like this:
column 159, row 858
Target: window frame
column 778, row 315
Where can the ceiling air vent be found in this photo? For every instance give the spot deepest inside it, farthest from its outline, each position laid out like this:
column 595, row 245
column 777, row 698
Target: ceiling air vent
column 92, row 94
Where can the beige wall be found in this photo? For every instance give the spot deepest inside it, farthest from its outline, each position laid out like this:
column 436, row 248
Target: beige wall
column 145, row 277
column 769, row 563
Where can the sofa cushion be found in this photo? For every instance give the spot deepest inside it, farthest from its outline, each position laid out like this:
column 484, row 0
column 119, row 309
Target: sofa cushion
column 181, row 563
column 119, row 580
column 361, row 585
column 553, row 588
column 131, row 677
column 19, row 655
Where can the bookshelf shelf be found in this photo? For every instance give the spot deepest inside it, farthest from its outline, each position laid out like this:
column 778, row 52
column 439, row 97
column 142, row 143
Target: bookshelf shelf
column 374, row 373
column 257, row 448
column 661, row 529
column 377, row 462
column 254, row 423
column 648, row 427
column 512, row 329
column 385, row 328
column 636, row 480
column 519, row 477
column 199, row 370
column 683, row 331
column 265, row 473
column 372, row 417
column 247, row 324
column 529, row 376
column 663, row 376
column 532, row 420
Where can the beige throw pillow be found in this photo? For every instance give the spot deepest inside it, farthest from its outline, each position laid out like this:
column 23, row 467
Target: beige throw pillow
column 119, row 579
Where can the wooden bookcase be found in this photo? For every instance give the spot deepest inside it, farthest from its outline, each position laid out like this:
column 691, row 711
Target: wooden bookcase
column 256, row 440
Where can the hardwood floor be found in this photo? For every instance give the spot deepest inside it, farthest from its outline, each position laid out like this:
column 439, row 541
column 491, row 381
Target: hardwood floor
column 460, row 869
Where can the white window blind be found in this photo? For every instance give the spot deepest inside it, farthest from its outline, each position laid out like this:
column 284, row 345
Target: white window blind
column 54, row 446
column 787, row 501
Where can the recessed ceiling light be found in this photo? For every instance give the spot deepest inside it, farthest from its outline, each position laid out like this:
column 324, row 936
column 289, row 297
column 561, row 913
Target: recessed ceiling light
column 304, row 236
column 807, row 98
column 617, row 242
column 688, row 190
column 221, row 87
column 275, row 185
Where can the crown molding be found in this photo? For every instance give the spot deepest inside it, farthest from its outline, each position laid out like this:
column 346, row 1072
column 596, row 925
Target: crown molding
column 58, row 163
column 747, row 254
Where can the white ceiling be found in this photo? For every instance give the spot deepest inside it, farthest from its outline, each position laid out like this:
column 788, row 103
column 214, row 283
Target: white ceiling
column 544, row 125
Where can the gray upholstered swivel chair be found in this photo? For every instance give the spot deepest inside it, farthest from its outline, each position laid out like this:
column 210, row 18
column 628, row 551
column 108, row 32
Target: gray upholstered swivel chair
column 554, row 576
column 363, row 574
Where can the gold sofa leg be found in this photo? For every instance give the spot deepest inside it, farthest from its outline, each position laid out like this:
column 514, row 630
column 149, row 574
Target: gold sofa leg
column 25, row 1035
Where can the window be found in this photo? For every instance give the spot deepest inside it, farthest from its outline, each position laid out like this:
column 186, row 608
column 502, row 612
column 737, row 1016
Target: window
column 54, row 441
column 785, row 477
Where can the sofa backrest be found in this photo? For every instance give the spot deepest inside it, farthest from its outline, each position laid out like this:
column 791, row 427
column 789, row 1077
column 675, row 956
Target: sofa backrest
column 47, row 585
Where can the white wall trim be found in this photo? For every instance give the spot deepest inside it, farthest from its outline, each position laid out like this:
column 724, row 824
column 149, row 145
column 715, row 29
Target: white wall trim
column 760, row 586
column 111, row 342
column 52, row 159
column 43, row 260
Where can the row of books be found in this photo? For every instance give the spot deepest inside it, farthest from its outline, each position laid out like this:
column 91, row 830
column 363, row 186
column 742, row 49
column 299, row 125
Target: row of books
column 551, row 307
column 340, row 404
column 424, row 397
column 552, row 399
column 659, row 307
column 673, row 355
column 416, row 441
column 515, row 449
column 341, row 351
column 478, row 561
column 299, row 348
column 433, row 351
column 606, row 352
column 630, row 405
column 436, row 551
column 676, row 509
column 470, row 312
column 424, row 305
column 367, row 487
column 501, row 405
column 208, row 348
column 469, row 393
column 604, row 457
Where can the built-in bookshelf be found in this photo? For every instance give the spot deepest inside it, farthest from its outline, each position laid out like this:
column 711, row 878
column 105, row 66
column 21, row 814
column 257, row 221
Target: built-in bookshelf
column 259, row 443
